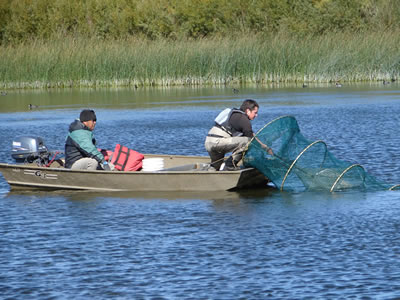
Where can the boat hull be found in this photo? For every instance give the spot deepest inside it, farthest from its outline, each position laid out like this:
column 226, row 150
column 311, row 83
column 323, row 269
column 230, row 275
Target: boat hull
column 182, row 174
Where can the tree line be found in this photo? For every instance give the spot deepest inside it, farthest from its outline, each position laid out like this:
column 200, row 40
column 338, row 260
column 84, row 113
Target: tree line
column 26, row 20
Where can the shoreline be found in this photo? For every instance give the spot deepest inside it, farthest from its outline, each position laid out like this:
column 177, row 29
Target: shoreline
column 134, row 85
column 234, row 88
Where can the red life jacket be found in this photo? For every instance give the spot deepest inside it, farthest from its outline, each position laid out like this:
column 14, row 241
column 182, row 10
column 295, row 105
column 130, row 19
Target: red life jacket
column 125, row 159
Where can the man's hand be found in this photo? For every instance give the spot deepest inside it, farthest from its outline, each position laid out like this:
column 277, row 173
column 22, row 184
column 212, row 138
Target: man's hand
column 268, row 149
column 265, row 147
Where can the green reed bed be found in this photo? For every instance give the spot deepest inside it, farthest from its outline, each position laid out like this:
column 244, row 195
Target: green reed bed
column 80, row 62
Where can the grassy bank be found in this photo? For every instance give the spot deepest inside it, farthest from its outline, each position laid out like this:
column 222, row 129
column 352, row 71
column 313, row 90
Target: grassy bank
column 81, row 62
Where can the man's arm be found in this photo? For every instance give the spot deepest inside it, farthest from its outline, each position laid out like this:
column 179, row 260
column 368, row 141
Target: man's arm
column 84, row 140
column 265, row 147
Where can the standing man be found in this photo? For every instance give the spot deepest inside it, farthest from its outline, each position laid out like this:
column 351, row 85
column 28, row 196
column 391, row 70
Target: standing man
column 231, row 133
column 80, row 150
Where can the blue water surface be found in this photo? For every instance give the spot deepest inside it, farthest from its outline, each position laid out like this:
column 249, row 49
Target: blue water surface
column 253, row 244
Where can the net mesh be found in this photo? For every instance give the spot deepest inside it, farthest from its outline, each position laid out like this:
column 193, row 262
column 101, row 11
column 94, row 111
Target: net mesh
column 299, row 164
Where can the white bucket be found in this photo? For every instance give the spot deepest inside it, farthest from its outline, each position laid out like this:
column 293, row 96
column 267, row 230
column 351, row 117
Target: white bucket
column 152, row 164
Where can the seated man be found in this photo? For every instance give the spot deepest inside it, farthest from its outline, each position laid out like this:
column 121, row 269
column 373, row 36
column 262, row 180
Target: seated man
column 80, row 150
column 231, row 133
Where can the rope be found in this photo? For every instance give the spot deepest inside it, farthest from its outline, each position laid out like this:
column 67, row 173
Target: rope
column 51, row 161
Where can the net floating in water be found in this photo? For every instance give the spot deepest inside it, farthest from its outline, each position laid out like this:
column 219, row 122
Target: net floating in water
column 301, row 165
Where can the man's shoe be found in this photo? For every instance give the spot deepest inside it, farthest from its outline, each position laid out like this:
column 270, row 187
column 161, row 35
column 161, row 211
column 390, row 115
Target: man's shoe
column 230, row 165
column 210, row 168
column 230, row 168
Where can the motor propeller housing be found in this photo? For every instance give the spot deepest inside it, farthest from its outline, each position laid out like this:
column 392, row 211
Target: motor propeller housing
column 29, row 149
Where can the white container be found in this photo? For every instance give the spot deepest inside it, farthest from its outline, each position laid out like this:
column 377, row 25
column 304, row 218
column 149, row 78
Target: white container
column 152, row 164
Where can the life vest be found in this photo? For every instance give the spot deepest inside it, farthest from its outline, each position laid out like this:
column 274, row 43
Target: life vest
column 222, row 121
column 125, row 159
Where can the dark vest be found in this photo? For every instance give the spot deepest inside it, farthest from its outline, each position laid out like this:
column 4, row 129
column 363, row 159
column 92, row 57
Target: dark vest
column 223, row 121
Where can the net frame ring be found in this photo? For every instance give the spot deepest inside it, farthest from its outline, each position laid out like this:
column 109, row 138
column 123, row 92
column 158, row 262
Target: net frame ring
column 298, row 157
column 265, row 126
column 343, row 173
column 394, row 187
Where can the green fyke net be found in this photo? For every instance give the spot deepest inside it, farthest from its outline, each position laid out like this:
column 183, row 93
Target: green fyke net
column 298, row 164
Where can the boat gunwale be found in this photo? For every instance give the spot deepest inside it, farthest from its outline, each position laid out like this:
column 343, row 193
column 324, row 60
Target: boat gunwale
column 22, row 166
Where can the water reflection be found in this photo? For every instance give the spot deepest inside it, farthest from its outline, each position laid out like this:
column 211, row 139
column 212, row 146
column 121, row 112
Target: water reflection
column 162, row 97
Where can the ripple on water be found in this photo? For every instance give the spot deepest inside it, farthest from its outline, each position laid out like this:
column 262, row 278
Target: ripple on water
column 251, row 245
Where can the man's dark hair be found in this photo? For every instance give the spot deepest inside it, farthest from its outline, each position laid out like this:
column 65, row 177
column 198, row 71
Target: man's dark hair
column 249, row 104
column 87, row 115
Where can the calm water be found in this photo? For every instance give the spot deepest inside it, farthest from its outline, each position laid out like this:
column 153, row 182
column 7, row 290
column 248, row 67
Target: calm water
column 259, row 244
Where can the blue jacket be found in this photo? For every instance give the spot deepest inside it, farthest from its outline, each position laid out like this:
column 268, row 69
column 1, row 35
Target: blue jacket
column 80, row 143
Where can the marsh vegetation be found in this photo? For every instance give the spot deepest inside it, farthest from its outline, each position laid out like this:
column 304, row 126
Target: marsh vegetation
column 166, row 42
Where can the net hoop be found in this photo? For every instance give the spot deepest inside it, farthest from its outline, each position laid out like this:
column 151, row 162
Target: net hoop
column 394, row 187
column 344, row 172
column 275, row 120
column 265, row 126
column 298, row 157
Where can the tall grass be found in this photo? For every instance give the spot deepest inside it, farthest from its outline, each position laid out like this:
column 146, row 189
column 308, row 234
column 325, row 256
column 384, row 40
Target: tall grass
column 81, row 62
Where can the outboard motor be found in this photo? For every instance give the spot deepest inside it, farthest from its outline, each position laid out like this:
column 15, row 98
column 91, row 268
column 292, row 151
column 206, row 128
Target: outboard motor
column 29, row 149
